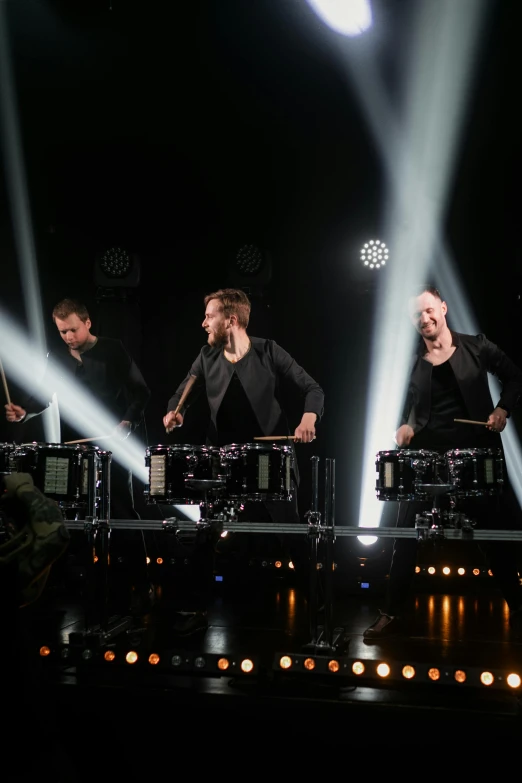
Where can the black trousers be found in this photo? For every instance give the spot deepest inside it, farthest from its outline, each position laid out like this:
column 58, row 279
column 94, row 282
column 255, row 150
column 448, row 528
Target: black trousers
column 201, row 550
column 498, row 512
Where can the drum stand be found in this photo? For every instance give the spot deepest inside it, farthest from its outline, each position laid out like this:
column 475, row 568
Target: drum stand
column 325, row 638
column 99, row 627
column 432, row 524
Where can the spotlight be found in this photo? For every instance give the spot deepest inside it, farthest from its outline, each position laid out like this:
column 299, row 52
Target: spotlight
column 250, row 268
column 374, row 254
column 117, row 267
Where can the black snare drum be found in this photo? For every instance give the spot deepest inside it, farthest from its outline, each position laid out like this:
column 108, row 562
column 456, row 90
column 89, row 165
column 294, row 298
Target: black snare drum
column 401, row 473
column 70, row 474
column 6, row 457
column 475, row 472
column 259, row 471
column 183, row 474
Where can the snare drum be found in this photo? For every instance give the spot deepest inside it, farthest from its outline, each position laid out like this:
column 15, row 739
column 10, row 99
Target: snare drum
column 183, row 474
column 258, row 471
column 69, row 474
column 6, row 457
column 475, row 472
column 402, row 472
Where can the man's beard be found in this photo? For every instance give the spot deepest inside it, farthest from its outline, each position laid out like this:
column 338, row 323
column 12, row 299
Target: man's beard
column 219, row 338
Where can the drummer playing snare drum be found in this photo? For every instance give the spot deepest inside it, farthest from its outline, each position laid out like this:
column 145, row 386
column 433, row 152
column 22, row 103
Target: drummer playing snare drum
column 448, row 407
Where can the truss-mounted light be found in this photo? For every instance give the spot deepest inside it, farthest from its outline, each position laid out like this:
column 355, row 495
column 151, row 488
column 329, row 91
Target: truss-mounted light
column 117, row 267
column 374, row 254
column 250, row 267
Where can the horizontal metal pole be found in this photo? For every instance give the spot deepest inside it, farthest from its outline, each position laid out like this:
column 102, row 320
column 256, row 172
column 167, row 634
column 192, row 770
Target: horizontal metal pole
column 299, row 529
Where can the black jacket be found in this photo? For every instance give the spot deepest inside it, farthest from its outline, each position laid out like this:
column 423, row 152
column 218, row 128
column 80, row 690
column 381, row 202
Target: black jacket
column 474, row 358
column 263, row 373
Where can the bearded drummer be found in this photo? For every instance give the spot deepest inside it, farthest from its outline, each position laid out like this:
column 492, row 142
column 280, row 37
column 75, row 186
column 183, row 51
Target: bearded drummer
column 243, row 377
column 449, row 406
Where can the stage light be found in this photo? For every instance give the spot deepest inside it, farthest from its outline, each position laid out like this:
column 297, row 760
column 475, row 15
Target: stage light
column 350, row 18
column 131, row 657
column 408, row 672
column 333, row 666
column 383, row 670
column 431, row 570
column 513, row 680
column 200, row 662
column 247, row 666
column 417, row 569
column 250, row 268
column 45, row 651
column 461, row 571
column 116, row 267
column 434, row 674
column 176, row 660
column 460, row 675
column 374, row 254
column 278, row 564
column 446, row 570
column 358, row 668
column 476, row 571
column 154, row 659
column 87, row 654
column 109, row 656
column 285, row 662
column 486, row 678
column 223, row 664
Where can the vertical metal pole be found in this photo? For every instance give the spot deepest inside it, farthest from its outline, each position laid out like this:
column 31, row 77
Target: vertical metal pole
column 104, row 532
column 313, row 518
column 329, row 561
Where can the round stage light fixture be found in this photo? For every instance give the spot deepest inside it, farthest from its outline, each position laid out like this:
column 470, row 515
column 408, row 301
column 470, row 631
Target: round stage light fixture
column 374, row 254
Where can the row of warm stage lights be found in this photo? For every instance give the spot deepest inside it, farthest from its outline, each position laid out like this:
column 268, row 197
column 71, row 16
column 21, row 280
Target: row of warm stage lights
column 279, row 564
column 364, row 669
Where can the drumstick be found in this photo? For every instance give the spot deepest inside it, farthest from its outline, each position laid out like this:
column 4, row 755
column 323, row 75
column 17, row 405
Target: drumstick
column 86, row 440
column 470, row 421
column 275, row 437
column 186, row 390
column 6, row 390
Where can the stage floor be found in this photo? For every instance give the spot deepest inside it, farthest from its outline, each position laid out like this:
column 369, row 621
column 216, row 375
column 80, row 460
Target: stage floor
column 145, row 715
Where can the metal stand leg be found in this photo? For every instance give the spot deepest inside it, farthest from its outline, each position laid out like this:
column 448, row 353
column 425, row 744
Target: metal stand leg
column 99, row 629
column 325, row 639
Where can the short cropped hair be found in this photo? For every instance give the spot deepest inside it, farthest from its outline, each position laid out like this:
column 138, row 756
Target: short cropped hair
column 68, row 307
column 425, row 288
column 233, row 302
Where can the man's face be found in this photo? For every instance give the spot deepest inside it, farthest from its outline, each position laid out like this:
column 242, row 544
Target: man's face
column 216, row 325
column 428, row 315
column 74, row 331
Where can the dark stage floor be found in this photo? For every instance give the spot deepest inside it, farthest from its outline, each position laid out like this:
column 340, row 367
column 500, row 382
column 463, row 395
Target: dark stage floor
column 142, row 718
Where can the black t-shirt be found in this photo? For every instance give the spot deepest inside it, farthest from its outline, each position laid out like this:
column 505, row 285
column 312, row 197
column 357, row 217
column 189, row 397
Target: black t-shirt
column 236, row 421
column 442, row 432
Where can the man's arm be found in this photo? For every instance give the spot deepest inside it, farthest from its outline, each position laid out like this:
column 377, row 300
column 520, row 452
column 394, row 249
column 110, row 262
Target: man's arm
column 506, row 371
column 290, row 371
column 137, row 394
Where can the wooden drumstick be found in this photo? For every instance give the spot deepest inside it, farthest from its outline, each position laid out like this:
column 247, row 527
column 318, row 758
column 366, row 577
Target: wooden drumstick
column 4, row 382
column 86, row 440
column 275, row 437
column 186, row 391
column 470, row 421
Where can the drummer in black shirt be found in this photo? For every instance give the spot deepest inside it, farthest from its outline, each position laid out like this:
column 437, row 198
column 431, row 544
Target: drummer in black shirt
column 449, row 381
column 243, row 377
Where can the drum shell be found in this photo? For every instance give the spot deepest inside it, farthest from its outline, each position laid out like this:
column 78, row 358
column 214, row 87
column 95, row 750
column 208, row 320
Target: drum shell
column 259, row 471
column 69, row 474
column 476, row 472
column 401, row 473
column 172, row 468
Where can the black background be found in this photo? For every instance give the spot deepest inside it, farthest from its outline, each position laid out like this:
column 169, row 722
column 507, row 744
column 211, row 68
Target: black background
column 184, row 130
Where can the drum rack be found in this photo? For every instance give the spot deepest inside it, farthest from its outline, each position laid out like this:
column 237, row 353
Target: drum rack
column 321, row 532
